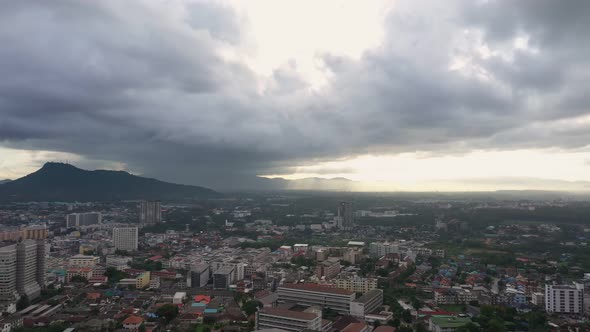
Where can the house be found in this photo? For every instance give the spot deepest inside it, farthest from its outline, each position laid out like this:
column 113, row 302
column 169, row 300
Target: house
column 132, row 323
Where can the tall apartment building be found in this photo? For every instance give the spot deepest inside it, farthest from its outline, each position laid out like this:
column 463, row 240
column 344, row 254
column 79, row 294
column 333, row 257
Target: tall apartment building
column 289, row 320
column 380, row 249
column 345, row 215
column 75, row 220
column 356, row 284
column 8, row 292
column 125, row 238
column 26, row 269
column 564, row 298
column 367, row 303
column 314, row 294
column 150, row 212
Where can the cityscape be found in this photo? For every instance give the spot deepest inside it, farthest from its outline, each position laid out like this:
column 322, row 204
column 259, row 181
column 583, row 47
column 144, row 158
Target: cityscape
column 298, row 261
column 294, row 166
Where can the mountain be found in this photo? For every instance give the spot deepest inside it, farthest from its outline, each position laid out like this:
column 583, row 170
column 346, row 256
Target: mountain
column 64, row 182
column 4, row 181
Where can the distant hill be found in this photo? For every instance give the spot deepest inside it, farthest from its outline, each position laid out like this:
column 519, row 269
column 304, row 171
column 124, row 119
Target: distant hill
column 64, row 182
column 4, row 181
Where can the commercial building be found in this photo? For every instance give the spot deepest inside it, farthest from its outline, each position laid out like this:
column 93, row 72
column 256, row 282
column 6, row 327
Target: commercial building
column 26, row 269
column 345, row 216
column 314, row 294
column 356, row 284
column 367, row 303
column 289, row 320
column 118, row 262
column 76, row 220
column 564, row 298
column 223, row 277
column 198, row 276
column 150, row 212
column 83, row 261
column 125, row 238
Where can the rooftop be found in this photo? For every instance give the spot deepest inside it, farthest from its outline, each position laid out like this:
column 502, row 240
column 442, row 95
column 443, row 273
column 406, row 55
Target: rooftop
column 318, row 288
column 289, row 313
column 450, row 322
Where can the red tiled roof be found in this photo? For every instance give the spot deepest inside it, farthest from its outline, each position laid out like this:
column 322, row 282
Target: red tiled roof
column 133, row 320
column 318, row 288
column 384, row 328
column 203, row 298
column 354, row 327
column 289, row 313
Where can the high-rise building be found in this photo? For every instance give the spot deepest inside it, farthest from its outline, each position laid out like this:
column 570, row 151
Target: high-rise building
column 75, row 220
column 8, row 292
column 564, row 298
column 198, row 276
column 125, row 238
column 26, row 269
column 345, row 215
column 380, row 249
column 150, row 212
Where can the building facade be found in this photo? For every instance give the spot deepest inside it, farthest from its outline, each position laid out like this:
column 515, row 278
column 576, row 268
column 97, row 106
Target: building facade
column 150, row 212
column 564, row 298
column 289, row 320
column 125, row 238
column 26, row 269
column 345, row 216
column 367, row 303
column 314, row 294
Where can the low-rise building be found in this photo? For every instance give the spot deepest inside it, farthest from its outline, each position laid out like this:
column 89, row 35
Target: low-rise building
column 367, row 303
column 314, row 294
column 289, row 320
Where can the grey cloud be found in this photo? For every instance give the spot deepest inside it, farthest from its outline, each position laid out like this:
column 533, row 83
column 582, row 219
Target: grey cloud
column 146, row 85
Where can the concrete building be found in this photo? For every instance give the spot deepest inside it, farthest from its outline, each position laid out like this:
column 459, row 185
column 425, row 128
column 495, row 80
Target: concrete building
column 118, row 262
column 26, row 269
column 8, row 292
column 289, row 320
column 198, row 276
column 76, row 220
column 564, row 298
column 538, row 298
column 223, row 277
column 328, row 269
column 380, row 249
column 150, row 212
column 125, row 238
column 356, row 284
column 367, row 303
column 83, row 261
column 345, row 216
column 314, row 294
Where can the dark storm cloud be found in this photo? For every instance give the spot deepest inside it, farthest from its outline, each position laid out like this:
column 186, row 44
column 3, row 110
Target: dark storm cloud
column 145, row 84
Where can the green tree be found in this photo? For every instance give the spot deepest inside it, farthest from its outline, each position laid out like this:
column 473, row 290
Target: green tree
column 168, row 312
column 394, row 322
column 251, row 307
column 469, row 327
column 81, row 279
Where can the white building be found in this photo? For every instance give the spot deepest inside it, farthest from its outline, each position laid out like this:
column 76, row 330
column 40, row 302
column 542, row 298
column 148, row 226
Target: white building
column 8, row 293
column 125, row 238
column 83, row 261
column 564, row 298
column 289, row 320
column 380, row 249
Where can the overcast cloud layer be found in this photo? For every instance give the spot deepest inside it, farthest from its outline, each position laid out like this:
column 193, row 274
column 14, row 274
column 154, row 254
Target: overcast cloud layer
column 164, row 87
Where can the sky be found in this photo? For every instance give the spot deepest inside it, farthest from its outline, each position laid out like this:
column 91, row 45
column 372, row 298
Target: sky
column 395, row 95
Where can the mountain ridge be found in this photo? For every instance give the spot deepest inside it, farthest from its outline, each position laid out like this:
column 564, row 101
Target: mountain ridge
column 65, row 182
